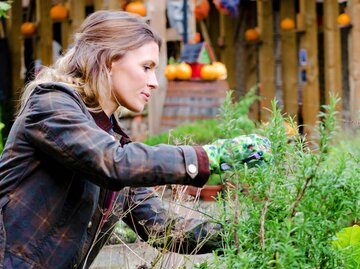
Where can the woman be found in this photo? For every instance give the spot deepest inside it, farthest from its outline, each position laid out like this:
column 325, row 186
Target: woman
column 67, row 165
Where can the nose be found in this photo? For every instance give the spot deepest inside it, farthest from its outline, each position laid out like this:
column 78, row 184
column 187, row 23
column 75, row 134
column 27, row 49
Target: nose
column 153, row 82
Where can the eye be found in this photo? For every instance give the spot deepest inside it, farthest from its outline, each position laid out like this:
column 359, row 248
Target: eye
column 147, row 67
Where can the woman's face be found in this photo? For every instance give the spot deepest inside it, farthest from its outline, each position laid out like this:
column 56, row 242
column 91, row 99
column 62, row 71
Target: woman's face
column 133, row 77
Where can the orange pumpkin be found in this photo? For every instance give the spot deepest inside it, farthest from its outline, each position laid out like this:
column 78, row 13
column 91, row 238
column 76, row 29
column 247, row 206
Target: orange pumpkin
column 287, row 24
column 252, row 34
column 221, row 71
column 343, row 19
column 183, row 71
column 136, row 7
column 202, row 10
column 58, row 12
column 208, row 72
column 28, row 29
column 170, row 71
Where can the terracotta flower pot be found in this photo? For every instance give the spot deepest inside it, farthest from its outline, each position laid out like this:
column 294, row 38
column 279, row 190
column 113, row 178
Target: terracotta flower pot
column 207, row 193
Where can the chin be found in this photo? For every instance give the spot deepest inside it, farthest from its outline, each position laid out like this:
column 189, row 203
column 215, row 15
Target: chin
column 137, row 109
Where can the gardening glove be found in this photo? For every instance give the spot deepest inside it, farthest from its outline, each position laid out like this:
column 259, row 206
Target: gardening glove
column 251, row 149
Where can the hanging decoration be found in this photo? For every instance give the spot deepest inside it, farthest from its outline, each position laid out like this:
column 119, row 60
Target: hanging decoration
column 343, row 19
column 228, row 6
column 28, row 29
column 252, row 34
column 202, row 8
column 137, row 7
column 287, row 24
column 59, row 13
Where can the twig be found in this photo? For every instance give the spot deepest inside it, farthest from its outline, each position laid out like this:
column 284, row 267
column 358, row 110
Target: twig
column 236, row 215
column 262, row 219
column 300, row 195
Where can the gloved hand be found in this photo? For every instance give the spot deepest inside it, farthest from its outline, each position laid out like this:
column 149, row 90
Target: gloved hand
column 252, row 149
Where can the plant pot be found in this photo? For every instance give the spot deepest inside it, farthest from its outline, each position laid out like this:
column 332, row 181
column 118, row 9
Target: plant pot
column 207, row 193
column 191, row 190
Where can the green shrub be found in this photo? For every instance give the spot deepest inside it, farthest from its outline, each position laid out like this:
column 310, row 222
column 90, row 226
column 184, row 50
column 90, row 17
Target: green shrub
column 199, row 132
column 294, row 206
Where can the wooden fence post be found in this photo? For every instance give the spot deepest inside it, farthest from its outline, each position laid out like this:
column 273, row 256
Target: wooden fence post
column 158, row 22
column 332, row 52
column 77, row 16
column 289, row 68
column 266, row 56
column 15, row 45
column 44, row 50
column 309, row 60
column 354, row 55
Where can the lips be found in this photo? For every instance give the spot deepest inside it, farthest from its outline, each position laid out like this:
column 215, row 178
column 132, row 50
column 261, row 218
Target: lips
column 146, row 95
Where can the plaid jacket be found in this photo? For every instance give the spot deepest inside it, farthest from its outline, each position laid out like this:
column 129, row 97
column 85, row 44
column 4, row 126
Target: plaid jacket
column 62, row 167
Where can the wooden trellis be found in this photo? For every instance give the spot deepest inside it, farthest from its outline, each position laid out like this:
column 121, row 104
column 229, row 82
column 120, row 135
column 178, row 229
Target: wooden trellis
column 247, row 63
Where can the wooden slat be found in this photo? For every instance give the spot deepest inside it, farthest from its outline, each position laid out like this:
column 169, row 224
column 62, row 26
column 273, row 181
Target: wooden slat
column 188, row 101
column 266, row 56
column 310, row 91
column 98, row 5
column 332, row 51
column 44, row 50
column 289, row 72
column 227, row 29
column 65, row 29
column 158, row 22
column 15, row 45
column 354, row 56
column 114, row 4
column 246, row 56
column 77, row 16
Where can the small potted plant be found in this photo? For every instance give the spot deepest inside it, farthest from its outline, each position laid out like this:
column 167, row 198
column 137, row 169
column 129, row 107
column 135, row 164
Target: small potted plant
column 210, row 191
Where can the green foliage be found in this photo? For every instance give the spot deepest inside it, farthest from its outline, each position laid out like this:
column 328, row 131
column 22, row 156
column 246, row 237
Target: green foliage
column 294, row 206
column 235, row 115
column 200, row 132
column 122, row 234
column 206, row 131
column 347, row 241
column 214, row 179
column 4, row 7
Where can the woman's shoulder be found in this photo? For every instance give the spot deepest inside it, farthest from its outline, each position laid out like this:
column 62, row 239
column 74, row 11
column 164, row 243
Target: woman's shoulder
column 56, row 95
column 57, row 87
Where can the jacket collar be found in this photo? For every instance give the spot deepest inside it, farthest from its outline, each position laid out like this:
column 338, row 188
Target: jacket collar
column 108, row 124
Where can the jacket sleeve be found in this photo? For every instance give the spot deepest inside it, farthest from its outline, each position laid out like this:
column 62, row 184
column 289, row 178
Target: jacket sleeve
column 60, row 127
column 161, row 227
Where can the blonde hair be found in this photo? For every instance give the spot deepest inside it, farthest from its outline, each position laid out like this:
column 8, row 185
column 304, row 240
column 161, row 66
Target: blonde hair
column 104, row 36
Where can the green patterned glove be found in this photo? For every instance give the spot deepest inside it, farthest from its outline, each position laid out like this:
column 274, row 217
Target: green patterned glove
column 252, row 149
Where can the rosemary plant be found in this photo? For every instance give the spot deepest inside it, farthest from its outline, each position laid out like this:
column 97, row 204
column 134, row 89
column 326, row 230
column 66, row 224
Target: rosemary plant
column 293, row 207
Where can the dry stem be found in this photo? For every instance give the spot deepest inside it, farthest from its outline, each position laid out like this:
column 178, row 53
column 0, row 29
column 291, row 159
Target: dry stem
column 262, row 219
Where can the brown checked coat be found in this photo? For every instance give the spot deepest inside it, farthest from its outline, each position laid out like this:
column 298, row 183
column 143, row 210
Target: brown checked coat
column 67, row 176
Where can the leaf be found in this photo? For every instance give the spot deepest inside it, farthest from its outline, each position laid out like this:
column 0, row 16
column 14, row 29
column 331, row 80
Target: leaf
column 348, row 242
column 348, row 237
column 5, row 6
column 2, row 125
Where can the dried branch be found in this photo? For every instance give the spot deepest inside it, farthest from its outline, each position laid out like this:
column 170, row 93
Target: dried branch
column 262, row 219
column 300, row 195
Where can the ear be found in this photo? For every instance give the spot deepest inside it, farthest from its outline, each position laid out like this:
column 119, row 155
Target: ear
column 113, row 61
column 110, row 68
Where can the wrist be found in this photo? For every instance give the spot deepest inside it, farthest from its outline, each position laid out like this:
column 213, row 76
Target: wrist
column 213, row 157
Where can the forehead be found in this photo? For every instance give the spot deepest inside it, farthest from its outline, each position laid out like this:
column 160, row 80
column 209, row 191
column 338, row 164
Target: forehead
column 147, row 52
